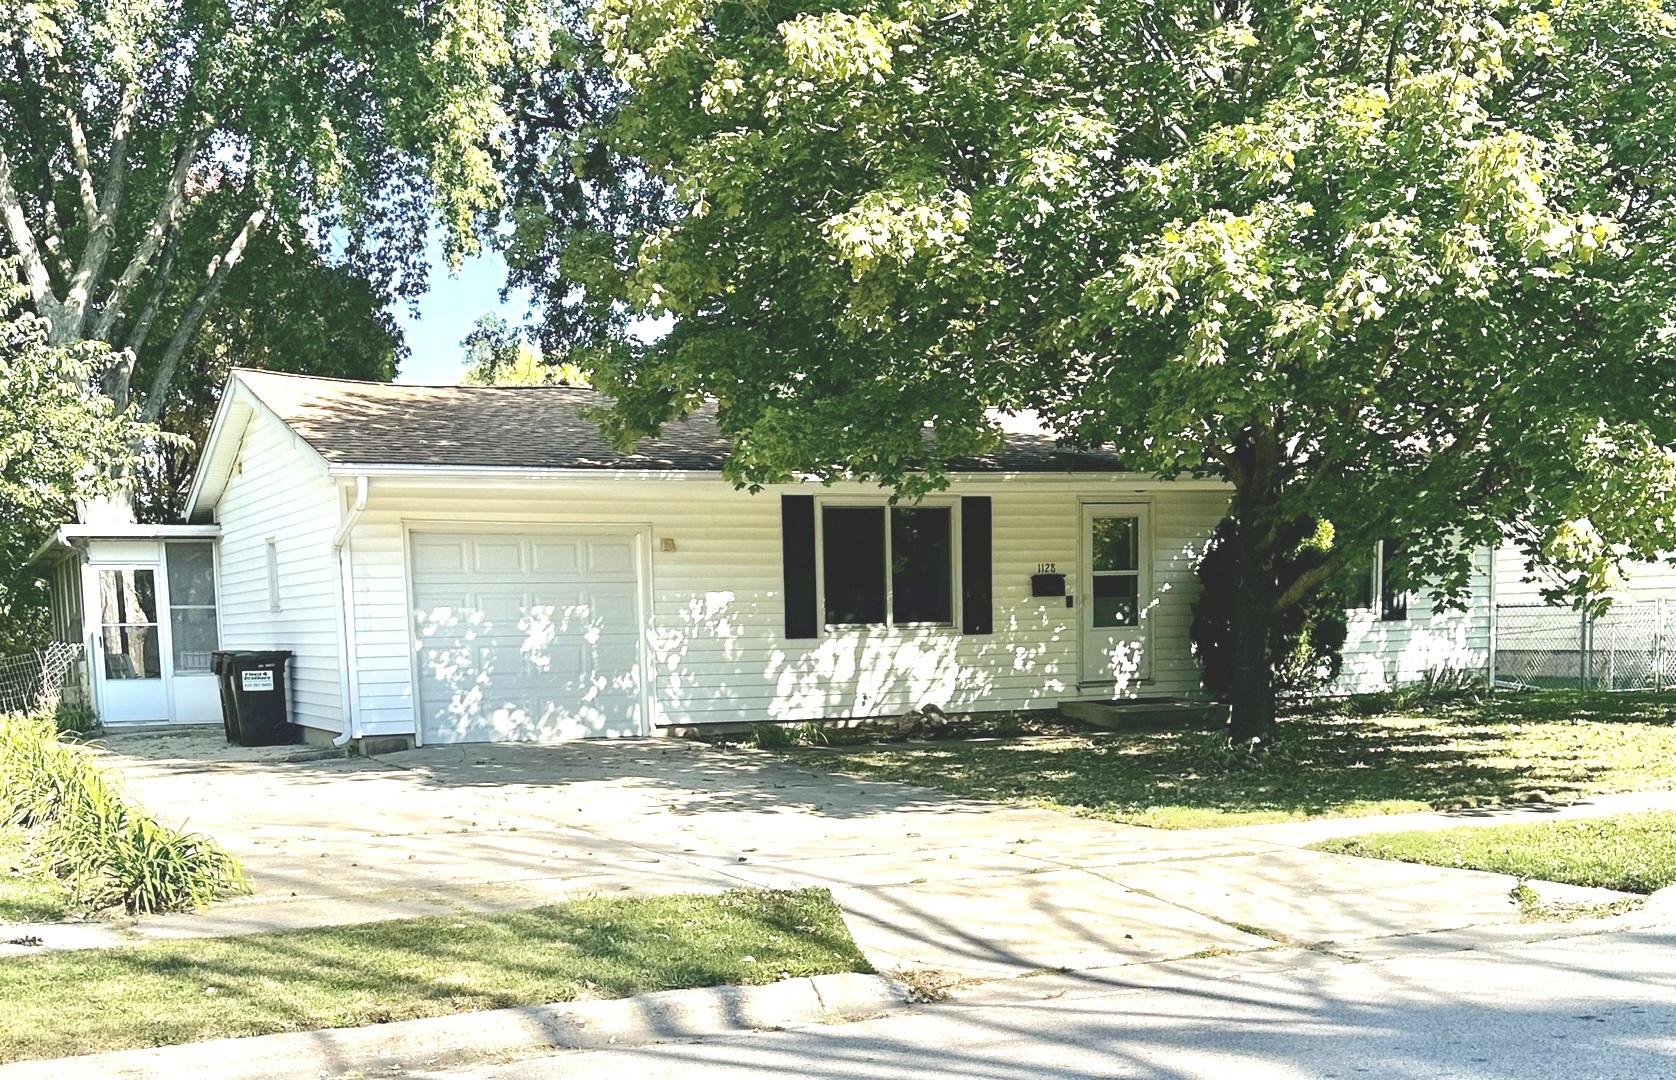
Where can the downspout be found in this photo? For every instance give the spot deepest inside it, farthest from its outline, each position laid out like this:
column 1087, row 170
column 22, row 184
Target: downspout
column 346, row 611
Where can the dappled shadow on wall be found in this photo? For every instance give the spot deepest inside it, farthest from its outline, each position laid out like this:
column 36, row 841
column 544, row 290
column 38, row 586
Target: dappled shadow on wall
column 534, row 673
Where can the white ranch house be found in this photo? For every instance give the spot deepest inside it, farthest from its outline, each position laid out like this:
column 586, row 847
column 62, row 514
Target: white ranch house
column 466, row 564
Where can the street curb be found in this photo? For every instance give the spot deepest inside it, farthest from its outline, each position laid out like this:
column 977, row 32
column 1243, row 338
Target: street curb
column 665, row 1016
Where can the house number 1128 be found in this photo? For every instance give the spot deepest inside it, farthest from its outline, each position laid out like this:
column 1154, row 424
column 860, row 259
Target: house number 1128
column 1046, row 568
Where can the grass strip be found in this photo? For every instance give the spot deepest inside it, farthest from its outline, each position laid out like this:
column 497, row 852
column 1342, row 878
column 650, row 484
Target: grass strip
column 158, row 994
column 27, row 892
column 1633, row 853
column 1346, row 758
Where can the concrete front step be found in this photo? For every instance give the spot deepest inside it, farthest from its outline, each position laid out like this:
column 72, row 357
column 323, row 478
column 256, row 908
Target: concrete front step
column 1121, row 713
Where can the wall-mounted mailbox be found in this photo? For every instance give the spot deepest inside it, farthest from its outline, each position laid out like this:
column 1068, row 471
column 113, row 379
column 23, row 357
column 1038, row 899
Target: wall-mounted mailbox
column 1047, row 584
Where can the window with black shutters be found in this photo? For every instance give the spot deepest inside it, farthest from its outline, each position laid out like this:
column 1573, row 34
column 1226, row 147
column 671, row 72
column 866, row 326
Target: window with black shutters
column 853, row 557
column 887, row 565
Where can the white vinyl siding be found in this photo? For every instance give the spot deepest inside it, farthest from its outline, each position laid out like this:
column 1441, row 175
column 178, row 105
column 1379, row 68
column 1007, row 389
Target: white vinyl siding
column 279, row 490
column 1643, row 581
column 1382, row 654
column 716, row 637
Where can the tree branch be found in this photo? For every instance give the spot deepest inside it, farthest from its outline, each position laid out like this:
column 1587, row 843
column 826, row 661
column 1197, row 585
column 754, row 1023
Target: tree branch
column 1307, row 582
column 84, row 170
column 35, row 274
column 193, row 315
column 167, row 211
column 154, row 299
column 101, row 213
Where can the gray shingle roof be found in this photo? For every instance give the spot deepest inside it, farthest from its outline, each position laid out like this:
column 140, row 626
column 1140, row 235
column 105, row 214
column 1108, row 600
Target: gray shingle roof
column 366, row 423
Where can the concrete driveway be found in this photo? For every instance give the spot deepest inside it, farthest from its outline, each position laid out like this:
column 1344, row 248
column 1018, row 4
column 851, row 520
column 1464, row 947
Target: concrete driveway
column 925, row 880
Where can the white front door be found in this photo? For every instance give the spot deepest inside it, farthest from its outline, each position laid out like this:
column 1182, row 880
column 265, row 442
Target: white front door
column 1116, row 590
column 527, row 636
column 128, row 645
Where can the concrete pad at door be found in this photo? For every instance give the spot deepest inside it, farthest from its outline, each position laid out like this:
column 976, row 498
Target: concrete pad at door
column 1311, row 896
column 1001, row 927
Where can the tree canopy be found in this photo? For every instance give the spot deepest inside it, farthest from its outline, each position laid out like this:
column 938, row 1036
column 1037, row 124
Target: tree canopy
column 146, row 147
column 57, row 444
column 1403, row 269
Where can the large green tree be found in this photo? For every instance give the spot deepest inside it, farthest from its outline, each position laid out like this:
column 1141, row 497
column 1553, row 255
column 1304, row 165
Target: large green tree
column 58, row 444
column 147, row 145
column 1402, row 268
column 283, row 308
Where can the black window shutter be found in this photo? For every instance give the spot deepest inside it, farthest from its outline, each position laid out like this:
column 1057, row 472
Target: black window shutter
column 797, row 548
column 977, row 588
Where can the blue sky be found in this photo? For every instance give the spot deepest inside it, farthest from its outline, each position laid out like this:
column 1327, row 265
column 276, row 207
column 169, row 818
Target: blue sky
column 446, row 312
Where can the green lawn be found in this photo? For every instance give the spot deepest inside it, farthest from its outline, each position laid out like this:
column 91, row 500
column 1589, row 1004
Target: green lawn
column 58, row 1004
column 1350, row 758
column 1633, row 853
column 27, row 895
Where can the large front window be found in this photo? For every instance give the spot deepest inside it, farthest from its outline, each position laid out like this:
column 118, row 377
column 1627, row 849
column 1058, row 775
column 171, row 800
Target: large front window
column 888, row 565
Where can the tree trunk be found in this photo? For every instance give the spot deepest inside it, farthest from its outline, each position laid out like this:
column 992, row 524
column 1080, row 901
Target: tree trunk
column 1252, row 693
column 1256, row 589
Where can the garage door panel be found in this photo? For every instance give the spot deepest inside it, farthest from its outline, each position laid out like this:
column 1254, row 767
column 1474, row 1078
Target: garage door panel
column 527, row 637
column 612, row 609
column 497, row 556
column 555, row 557
column 610, row 557
column 438, row 554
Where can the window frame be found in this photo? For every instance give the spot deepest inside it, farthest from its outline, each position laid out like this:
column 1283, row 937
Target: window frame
column 271, row 555
column 1381, row 604
column 949, row 503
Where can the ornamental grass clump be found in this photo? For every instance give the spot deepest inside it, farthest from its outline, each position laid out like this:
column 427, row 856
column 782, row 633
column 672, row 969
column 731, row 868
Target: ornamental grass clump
column 86, row 834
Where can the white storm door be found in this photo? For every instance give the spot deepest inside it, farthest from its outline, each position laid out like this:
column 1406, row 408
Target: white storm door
column 128, row 645
column 1116, row 589
column 527, row 637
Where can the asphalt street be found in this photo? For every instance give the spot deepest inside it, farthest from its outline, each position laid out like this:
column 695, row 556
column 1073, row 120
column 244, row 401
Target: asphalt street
column 1594, row 1007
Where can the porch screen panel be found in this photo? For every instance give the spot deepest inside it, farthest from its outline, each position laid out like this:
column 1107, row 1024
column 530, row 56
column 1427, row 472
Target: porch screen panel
column 191, row 568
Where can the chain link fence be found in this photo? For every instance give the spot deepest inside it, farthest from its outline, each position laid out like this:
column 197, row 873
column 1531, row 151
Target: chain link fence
column 43, row 680
column 1627, row 648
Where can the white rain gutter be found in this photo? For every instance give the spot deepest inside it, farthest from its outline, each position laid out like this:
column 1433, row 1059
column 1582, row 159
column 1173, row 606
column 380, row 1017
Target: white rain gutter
column 346, row 610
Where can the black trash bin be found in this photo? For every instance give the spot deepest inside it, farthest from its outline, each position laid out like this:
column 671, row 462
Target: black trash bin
column 254, row 709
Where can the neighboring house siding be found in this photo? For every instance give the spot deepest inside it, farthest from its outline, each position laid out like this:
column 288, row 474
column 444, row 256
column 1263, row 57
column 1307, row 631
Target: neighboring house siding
column 280, row 490
column 1515, row 585
column 717, row 634
column 1380, row 655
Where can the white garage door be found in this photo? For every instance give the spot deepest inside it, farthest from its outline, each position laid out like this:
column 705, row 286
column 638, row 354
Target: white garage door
column 526, row 636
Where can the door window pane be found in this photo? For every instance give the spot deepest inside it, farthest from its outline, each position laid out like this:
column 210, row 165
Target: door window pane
column 853, row 559
column 1115, row 600
column 127, row 596
column 1116, row 544
column 131, row 652
column 128, row 630
column 192, row 605
column 921, row 564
